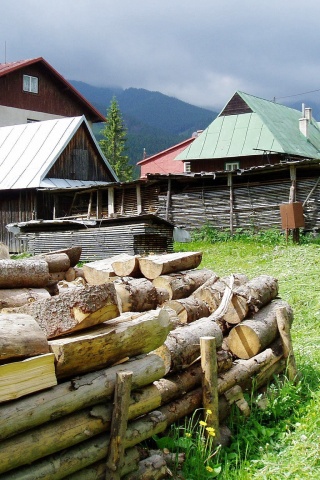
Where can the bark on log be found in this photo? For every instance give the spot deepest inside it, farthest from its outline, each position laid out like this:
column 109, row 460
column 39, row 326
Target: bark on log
column 4, row 252
column 127, row 266
column 21, row 337
column 183, row 284
column 188, row 309
column 100, row 271
column 57, row 262
column 74, row 310
column 56, row 277
column 153, row 467
column 257, row 292
column 254, row 334
column 23, row 273
column 182, row 346
column 155, row 265
column 26, row 376
column 138, row 294
column 74, row 395
column 16, row 297
column 284, row 323
column 212, row 291
column 70, row 275
column 74, row 254
column 108, row 343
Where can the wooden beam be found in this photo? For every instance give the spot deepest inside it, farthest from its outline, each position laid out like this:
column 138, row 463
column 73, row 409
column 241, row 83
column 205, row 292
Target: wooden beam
column 168, row 199
column 139, row 200
column 110, row 202
column 230, row 185
column 99, row 204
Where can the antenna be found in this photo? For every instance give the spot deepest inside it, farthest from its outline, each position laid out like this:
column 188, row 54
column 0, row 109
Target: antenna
column 5, row 52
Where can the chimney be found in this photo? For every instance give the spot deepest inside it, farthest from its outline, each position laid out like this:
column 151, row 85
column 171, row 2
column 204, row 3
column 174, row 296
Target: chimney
column 308, row 113
column 303, row 126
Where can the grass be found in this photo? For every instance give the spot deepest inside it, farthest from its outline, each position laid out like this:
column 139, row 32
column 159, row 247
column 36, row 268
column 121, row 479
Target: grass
column 280, row 441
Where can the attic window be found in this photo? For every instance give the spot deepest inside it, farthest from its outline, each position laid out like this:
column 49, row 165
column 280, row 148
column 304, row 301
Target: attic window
column 232, row 166
column 30, row 84
column 187, row 167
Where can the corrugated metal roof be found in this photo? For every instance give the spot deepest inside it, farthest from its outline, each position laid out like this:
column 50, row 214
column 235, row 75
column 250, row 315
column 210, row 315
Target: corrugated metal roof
column 27, row 152
column 269, row 127
column 64, row 183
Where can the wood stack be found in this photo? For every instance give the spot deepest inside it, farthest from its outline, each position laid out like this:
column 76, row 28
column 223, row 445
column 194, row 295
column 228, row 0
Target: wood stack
column 142, row 317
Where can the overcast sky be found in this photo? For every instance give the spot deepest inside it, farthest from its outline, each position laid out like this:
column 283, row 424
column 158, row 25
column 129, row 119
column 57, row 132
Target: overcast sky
column 198, row 51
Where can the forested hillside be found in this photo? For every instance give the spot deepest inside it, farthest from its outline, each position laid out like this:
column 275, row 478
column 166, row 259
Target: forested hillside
column 154, row 121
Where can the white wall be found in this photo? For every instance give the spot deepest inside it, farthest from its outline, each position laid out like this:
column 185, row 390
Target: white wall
column 17, row 116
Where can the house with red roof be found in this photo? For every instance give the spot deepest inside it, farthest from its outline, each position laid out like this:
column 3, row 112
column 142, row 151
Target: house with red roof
column 32, row 90
column 164, row 162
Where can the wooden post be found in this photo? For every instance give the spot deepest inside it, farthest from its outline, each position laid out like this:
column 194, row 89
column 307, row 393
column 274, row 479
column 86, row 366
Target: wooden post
column 230, row 184
column 292, row 198
column 139, row 201
column 168, row 199
column 99, row 205
column 115, row 458
column 89, row 207
column 110, row 202
column 284, row 330
column 209, row 370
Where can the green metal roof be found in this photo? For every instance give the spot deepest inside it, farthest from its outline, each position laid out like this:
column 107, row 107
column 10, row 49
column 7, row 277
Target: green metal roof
column 269, row 127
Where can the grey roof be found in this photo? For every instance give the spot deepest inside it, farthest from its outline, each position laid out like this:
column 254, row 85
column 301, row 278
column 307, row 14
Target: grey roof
column 28, row 151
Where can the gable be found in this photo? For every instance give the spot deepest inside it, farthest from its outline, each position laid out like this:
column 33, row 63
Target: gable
column 55, row 95
column 236, row 106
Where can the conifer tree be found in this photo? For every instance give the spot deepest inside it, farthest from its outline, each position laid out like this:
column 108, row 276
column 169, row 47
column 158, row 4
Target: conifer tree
column 114, row 140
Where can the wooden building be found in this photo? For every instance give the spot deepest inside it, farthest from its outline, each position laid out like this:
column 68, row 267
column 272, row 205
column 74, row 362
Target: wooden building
column 38, row 157
column 32, row 90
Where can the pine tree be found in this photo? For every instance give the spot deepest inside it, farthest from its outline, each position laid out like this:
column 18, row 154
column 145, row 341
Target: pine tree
column 113, row 144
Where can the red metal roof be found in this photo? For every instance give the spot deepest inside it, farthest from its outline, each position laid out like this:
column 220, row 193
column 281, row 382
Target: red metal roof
column 6, row 68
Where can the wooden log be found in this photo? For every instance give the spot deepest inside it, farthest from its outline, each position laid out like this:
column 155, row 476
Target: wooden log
column 56, row 277
column 16, row 297
column 182, row 346
column 212, row 291
column 188, row 309
column 4, row 252
column 74, row 254
column 27, row 376
column 119, row 423
column 21, row 337
column 57, row 262
column 70, row 274
column 210, row 398
column 127, row 265
column 69, row 431
column 75, row 310
column 256, row 293
column 182, row 284
column 251, row 336
column 155, row 265
column 100, row 271
column 138, row 294
column 106, row 344
column 153, row 467
column 79, row 393
column 284, row 322
column 23, row 273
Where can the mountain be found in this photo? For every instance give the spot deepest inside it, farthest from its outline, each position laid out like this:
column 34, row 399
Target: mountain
column 154, row 121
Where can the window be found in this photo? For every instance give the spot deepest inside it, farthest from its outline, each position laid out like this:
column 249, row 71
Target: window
column 30, row 84
column 232, row 165
column 187, row 167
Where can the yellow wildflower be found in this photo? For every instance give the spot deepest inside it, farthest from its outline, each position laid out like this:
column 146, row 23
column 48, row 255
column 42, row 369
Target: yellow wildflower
column 202, row 423
column 211, row 431
column 209, row 469
column 187, row 434
column 209, row 412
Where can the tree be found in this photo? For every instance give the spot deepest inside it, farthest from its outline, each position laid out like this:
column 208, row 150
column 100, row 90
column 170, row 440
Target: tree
column 113, row 145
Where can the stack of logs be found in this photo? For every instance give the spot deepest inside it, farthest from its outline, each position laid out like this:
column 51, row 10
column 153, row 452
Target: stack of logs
column 64, row 349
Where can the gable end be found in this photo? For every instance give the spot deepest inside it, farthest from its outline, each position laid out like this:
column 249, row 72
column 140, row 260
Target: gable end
column 236, row 106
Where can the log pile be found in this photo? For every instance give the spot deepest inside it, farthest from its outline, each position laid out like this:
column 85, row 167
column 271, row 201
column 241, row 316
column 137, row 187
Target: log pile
column 66, row 355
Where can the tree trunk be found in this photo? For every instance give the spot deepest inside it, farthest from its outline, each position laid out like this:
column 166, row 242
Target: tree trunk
column 23, row 273
column 74, row 254
column 110, row 342
column 26, row 376
column 138, row 294
column 100, row 271
column 127, row 266
column 181, row 285
column 74, row 395
column 182, row 345
column 76, row 309
column 21, row 336
column 155, row 265
column 16, row 297
column 254, row 334
column 188, row 309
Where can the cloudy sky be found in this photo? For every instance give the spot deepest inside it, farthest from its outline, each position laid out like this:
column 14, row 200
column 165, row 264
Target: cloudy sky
column 198, row 51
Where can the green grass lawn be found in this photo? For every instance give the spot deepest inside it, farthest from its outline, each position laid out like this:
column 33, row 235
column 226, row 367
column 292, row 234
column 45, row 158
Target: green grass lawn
column 282, row 441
